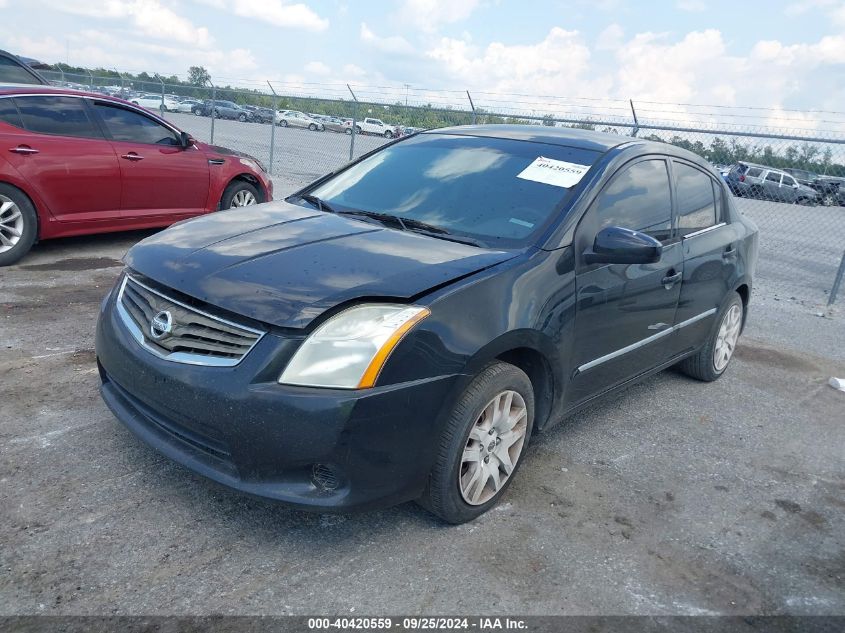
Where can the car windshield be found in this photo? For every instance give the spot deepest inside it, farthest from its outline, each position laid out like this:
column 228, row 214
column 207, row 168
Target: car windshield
column 498, row 192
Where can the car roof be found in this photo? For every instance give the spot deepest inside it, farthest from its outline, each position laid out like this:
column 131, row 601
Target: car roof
column 570, row 137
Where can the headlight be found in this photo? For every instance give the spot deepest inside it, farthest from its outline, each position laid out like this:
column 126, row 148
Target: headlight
column 349, row 350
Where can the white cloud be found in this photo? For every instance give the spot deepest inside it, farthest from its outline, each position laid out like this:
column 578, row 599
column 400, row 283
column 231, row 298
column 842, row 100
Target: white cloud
column 96, row 49
column 610, row 38
column 392, row 44
column 275, row 12
column 149, row 18
column 553, row 65
column 429, row 15
column 351, row 70
column 317, row 68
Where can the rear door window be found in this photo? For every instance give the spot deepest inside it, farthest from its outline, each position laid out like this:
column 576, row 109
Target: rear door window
column 773, row 177
column 754, row 172
column 696, row 208
column 58, row 115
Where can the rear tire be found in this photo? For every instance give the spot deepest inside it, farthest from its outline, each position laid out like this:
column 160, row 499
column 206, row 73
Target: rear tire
column 702, row 365
column 497, row 406
column 388, row 134
column 312, row 127
column 240, row 193
column 242, row 118
column 18, row 224
column 348, row 131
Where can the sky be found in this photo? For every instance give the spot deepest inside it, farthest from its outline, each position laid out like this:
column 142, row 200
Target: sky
column 787, row 56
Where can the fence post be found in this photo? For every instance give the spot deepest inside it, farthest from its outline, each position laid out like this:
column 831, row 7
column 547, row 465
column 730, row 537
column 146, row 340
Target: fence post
column 272, row 127
column 354, row 123
column 837, row 281
column 61, row 72
column 161, row 109
column 213, row 104
column 471, row 105
column 90, row 80
column 636, row 128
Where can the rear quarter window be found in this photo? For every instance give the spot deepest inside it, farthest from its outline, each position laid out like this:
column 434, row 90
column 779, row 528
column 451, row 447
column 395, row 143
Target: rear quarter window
column 9, row 113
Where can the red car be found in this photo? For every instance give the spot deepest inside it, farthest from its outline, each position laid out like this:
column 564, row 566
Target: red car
column 74, row 163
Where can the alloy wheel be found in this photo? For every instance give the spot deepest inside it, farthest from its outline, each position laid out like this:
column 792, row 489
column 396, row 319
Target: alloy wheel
column 727, row 337
column 243, row 198
column 493, row 448
column 11, row 224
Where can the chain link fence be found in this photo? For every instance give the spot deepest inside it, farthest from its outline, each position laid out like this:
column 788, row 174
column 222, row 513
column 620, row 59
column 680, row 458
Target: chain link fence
column 785, row 168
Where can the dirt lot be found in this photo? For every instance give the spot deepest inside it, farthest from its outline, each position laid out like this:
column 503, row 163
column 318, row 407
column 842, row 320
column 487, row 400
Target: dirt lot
column 675, row 497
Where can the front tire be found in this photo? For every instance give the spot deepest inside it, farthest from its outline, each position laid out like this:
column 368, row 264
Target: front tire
column 348, row 131
column 242, row 118
column 240, row 193
column 18, row 225
column 388, row 134
column 482, row 444
column 712, row 360
column 312, row 127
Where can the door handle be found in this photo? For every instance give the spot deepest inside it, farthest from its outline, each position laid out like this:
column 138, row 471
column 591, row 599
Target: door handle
column 729, row 254
column 132, row 156
column 671, row 280
column 23, row 149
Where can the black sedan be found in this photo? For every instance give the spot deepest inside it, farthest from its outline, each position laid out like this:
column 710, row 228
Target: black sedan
column 401, row 328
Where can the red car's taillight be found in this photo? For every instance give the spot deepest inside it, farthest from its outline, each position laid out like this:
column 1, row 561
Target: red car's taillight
column 742, row 178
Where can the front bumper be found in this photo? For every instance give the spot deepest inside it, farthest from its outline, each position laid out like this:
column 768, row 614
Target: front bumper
column 239, row 427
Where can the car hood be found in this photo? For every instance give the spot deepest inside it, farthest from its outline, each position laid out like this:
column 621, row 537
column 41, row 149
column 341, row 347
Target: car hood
column 285, row 265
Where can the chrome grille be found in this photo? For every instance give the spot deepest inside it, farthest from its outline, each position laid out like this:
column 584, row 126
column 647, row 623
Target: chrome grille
column 178, row 332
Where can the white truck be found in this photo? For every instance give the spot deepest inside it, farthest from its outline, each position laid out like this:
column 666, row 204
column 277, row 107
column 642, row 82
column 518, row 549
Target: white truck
column 371, row 126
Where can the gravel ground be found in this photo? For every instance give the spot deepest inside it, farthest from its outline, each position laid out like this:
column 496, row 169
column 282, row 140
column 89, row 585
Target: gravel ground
column 673, row 497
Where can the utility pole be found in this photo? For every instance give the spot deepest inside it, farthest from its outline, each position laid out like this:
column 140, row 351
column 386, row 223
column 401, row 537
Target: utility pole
column 406, row 94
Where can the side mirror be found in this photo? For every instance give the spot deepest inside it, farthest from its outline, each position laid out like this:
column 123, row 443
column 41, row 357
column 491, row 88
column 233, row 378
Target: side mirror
column 617, row 245
column 185, row 140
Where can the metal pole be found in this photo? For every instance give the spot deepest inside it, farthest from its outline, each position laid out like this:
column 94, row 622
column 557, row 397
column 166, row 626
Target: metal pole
column 636, row 122
column 837, row 282
column 90, row 80
column 161, row 108
column 213, row 104
column 272, row 128
column 354, row 123
column 61, row 72
column 471, row 105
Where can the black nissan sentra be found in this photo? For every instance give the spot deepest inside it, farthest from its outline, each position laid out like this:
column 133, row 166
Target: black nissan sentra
column 402, row 327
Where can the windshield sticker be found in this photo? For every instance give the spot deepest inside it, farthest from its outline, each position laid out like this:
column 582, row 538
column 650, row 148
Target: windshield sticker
column 529, row 225
column 557, row 173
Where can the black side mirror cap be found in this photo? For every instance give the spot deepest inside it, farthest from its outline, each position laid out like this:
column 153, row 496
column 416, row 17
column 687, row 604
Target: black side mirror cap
column 185, row 140
column 618, row 245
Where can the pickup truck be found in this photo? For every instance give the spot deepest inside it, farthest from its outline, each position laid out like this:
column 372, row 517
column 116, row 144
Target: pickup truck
column 371, row 126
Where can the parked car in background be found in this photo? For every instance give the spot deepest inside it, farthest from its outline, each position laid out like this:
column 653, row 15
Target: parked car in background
column 15, row 71
column 334, row 124
column 408, row 131
column 542, row 269
column 371, row 126
column 78, row 163
column 803, row 176
column 831, row 190
column 221, row 109
column 767, row 183
column 259, row 114
column 294, row 118
column 156, row 102
column 188, row 105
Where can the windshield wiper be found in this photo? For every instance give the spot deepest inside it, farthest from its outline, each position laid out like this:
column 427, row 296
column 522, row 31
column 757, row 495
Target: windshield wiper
column 317, row 202
column 410, row 224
